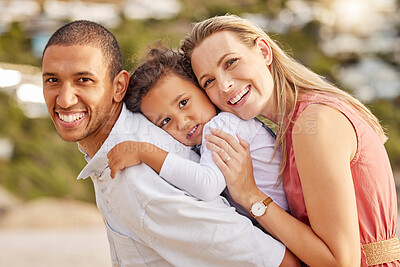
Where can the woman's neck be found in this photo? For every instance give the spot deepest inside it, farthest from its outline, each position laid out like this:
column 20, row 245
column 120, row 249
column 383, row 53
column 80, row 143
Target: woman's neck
column 271, row 111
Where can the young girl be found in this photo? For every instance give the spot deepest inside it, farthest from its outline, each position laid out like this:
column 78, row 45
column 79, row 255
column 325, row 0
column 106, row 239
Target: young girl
column 336, row 172
column 165, row 90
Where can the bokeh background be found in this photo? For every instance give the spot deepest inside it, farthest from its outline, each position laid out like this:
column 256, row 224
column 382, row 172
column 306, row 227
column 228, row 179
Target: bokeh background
column 354, row 43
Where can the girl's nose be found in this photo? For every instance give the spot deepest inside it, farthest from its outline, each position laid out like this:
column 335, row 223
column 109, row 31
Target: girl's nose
column 183, row 122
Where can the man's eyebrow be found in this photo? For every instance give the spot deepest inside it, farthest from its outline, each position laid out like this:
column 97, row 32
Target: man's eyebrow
column 83, row 73
column 218, row 63
column 47, row 74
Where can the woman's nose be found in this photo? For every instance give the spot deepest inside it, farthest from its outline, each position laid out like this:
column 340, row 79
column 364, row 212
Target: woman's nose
column 226, row 85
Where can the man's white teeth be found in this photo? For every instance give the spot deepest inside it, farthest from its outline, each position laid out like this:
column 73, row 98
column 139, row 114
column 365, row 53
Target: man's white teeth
column 192, row 131
column 71, row 118
column 239, row 96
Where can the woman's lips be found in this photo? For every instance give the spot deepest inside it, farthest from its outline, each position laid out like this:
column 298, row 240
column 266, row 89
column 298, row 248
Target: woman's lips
column 239, row 97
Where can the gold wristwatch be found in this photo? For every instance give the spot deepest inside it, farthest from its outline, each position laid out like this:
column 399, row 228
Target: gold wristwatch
column 259, row 208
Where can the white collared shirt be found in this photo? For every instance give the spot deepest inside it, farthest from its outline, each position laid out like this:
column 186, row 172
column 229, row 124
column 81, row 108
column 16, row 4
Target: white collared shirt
column 152, row 223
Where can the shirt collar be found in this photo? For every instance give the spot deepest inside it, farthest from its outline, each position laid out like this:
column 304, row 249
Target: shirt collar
column 99, row 162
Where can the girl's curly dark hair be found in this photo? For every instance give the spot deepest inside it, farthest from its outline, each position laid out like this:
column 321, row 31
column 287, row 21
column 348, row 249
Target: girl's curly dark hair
column 158, row 63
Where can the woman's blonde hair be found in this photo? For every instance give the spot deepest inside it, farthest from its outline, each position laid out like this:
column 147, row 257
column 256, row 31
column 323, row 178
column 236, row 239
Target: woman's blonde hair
column 289, row 76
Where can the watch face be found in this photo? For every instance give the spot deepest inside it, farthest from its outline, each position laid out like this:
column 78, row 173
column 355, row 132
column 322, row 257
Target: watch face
column 258, row 209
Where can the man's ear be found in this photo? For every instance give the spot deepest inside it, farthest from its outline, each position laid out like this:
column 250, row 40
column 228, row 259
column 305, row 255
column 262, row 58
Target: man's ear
column 120, row 85
column 265, row 49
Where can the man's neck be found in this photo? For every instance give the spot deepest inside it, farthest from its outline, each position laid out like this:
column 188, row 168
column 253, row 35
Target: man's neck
column 93, row 143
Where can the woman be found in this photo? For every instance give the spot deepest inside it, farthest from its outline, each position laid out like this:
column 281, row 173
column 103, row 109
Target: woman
column 335, row 170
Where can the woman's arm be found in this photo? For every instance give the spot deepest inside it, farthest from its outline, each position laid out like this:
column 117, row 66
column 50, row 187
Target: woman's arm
column 323, row 156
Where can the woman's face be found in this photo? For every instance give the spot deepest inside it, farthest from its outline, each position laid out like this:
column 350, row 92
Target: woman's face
column 235, row 77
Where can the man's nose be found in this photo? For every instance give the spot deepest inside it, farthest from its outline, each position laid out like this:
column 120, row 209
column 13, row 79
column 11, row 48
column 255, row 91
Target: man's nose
column 67, row 96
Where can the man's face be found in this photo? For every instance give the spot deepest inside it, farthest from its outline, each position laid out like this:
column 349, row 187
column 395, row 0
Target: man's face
column 78, row 90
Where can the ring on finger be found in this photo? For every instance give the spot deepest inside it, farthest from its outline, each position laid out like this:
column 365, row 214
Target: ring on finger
column 227, row 159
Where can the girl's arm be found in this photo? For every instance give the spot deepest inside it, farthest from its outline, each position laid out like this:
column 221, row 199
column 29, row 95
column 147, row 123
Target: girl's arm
column 130, row 153
column 323, row 156
column 203, row 180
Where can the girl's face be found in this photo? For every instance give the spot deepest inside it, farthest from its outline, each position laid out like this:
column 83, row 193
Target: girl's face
column 179, row 107
column 235, row 77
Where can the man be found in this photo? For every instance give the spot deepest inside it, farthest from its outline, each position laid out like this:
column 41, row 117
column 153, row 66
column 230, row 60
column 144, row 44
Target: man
column 149, row 222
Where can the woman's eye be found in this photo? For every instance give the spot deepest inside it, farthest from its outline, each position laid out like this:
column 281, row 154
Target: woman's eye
column 207, row 83
column 231, row 61
column 165, row 121
column 183, row 103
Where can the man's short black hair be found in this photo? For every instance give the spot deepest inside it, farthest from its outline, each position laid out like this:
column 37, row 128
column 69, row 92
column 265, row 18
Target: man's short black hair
column 83, row 32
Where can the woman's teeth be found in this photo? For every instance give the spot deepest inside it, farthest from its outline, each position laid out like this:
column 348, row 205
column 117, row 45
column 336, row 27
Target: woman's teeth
column 71, row 118
column 239, row 96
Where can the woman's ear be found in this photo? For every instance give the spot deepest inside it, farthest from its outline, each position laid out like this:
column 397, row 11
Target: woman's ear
column 120, row 85
column 265, row 49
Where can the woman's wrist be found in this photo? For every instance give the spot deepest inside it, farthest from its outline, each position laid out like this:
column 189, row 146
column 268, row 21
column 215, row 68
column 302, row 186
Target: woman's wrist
column 252, row 197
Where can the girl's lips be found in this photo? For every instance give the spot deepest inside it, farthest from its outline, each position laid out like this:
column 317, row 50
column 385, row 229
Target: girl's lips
column 193, row 132
column 242, row 97
column 70, row 120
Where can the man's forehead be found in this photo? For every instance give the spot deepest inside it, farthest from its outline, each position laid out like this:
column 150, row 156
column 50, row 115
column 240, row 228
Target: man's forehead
column 74, row 56
column 77, row 51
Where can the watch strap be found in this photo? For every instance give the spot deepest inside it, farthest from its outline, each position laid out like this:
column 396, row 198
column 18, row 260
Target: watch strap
column 267, row 201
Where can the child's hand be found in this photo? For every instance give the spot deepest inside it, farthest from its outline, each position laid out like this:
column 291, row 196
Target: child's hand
column 124, row 155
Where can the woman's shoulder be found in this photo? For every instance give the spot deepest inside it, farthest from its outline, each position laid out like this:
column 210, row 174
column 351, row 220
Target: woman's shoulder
column 321, row 123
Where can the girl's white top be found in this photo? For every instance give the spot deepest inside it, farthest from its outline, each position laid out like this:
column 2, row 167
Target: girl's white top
column 205, row 181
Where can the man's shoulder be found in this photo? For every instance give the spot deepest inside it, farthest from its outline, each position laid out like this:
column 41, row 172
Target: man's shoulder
column 136, row 127
column 135, row 123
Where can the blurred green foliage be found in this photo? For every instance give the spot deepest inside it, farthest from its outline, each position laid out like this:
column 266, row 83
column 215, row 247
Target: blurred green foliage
column 43, row 164
column 15, row 46
column 388, row 112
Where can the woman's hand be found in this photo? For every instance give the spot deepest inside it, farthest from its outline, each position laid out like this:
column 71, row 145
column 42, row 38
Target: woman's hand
column 234, row 160
column 124, row 155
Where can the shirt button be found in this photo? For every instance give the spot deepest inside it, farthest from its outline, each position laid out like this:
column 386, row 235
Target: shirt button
column 95, row 176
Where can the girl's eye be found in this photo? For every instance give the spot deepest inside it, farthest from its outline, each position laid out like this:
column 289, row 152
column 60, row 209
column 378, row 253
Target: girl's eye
column 165, row 121
column 183, row 103
column 207, row 83
column 231, row 61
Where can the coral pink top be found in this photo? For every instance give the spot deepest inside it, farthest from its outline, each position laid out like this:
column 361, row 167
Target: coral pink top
column 371, row 171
